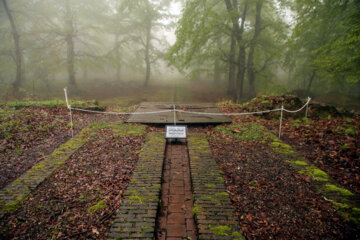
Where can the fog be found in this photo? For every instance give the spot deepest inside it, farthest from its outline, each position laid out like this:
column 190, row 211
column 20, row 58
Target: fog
column 256, row 47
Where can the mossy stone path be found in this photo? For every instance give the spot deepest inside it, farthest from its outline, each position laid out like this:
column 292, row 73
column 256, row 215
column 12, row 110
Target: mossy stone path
column 136, row 217
column 16, row 192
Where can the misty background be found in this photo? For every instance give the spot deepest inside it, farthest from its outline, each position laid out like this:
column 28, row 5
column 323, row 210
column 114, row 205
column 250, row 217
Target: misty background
column 226, row 49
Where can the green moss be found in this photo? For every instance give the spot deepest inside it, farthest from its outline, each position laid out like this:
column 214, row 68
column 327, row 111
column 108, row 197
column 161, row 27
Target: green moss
column 40, row 165
column 221, row 230
column 12, row 206
column 281, row 147
column 350, row 130
column 220, row 179
column 222, row 195
column 145, row 229
column 237, row 235
column 300, row 163
column 341, row 205
column 209, row 185
column 315, row 174
column 334, row 188
column 137, row 198
column 101, row 204
column 345, row 146
column 196, row 209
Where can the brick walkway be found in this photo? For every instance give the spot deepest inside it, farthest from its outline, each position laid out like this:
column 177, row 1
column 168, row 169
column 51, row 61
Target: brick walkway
column 137, row 213
column 175, row 220
column 213, row 211
column 210, row 217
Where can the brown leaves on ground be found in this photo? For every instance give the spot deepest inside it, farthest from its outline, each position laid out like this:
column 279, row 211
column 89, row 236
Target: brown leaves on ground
column 331, row 144
column 273, row 201
column 79, row 199
column 29, row 135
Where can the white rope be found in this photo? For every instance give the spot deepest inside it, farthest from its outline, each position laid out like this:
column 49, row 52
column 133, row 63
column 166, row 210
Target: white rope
column 190, row 112
column 229, row 114
column 120, row 113
column 295, row 111
column 174, row 110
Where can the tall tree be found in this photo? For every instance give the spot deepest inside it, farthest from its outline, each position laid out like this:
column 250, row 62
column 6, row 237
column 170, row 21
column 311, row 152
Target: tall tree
column 146, row 19
column 238, row 31
column 69, row 39
column 324, row 42
column 18, row 51
column 253, row 43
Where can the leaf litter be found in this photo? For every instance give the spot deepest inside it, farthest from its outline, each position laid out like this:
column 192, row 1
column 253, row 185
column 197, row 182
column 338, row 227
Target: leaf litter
column 79, row 199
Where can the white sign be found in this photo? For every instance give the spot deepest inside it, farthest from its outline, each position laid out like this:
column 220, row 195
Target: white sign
column 175, row 132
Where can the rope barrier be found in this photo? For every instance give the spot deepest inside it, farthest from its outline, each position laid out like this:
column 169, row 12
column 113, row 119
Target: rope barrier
column 119, row 113
column 174, row 110
column 190, row 112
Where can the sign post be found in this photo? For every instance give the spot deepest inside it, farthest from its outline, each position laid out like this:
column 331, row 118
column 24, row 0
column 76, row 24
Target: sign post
column 176, row 132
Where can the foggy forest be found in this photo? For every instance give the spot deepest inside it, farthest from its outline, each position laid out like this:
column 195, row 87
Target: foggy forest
column 179, row 119
column 308, row 48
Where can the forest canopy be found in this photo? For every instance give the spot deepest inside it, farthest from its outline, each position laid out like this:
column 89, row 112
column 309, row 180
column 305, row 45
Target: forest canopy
column 248, row 47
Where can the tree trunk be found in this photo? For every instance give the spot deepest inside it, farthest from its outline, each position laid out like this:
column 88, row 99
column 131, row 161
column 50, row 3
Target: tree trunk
column 311, row 80
column 217, row 73
column 70, row 61
column 250, row 65
column 231, row 85
column 241, row 73
column 147, row 54
column 18, row 53
column 238, row 31
column 117, row 58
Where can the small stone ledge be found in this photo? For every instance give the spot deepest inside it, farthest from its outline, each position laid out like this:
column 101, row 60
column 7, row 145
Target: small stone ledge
column 16, row 192
column 342, row 199
column 136, row 218
column 212, row 210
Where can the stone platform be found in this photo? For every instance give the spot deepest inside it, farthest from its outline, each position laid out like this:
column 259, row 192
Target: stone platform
column 181, row 118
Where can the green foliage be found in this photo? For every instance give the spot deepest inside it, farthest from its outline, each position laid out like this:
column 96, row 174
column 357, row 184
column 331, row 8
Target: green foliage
column 325, row 42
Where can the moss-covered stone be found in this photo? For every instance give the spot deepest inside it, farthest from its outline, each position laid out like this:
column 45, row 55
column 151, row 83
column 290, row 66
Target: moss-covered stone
column 222, row 230
column 340, row 190
column 298, row 163
column 315, row 174
column 281, row 147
